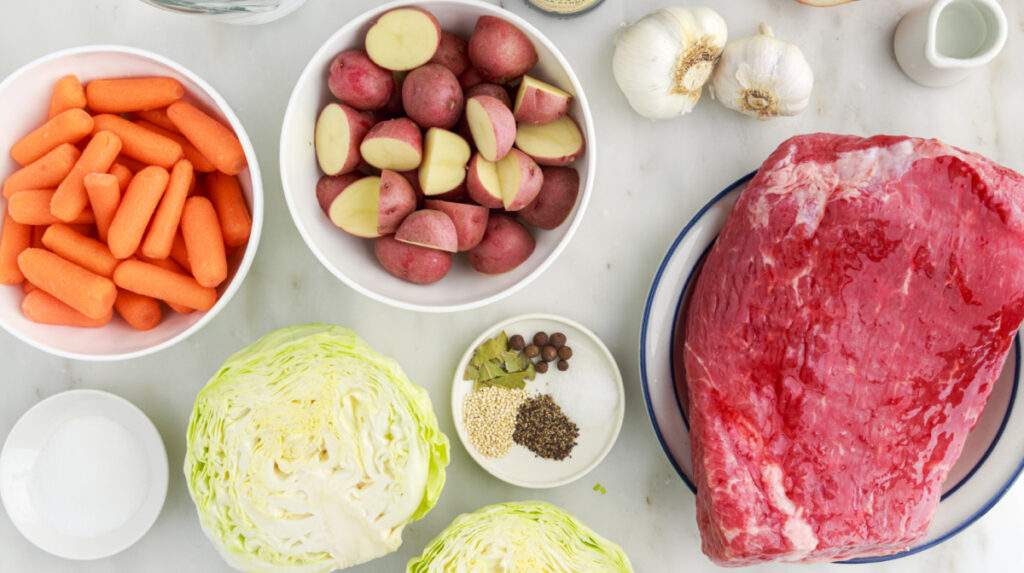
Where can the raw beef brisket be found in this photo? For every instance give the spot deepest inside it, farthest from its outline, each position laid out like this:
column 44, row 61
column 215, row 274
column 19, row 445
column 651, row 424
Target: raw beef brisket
column 841, row 341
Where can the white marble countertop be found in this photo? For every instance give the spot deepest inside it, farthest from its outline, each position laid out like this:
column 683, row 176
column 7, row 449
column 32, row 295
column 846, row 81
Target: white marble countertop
column 651, row 179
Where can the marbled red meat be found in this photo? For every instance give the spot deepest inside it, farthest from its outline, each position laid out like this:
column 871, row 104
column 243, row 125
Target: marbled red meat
column 841, row 341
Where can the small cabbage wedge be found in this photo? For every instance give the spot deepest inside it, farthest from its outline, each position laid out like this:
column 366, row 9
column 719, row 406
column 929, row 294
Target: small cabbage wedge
column 308, row 451
column 519, row 537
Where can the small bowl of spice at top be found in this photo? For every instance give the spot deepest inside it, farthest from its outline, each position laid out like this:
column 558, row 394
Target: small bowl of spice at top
column 538, row 401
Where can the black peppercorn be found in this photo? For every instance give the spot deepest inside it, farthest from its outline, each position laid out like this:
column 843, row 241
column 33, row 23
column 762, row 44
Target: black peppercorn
column 563, row 365
column 540, row 339
column 542, row 367
column 565, row 353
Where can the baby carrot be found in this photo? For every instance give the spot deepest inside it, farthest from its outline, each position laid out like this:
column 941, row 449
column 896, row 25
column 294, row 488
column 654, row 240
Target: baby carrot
column 104, row 191
column 38, row 306
column 170, row 265
column 123, row 175
column 27, row 287
column 70, row 126
column 139, row 311
column 70, row 198
column 212, row 138
column 156, row 282
column 121, row 95
column 232, row 210
column 14, row 238
column 32, row 207
column 85, row 252
column 204, row 242
column 157, row 117
column 136, row 209
column 179, row 253
column 199, row 162
column 140, row 143
column 44, row 173
column 165, row 222
column 82, row 290
column 67, row 94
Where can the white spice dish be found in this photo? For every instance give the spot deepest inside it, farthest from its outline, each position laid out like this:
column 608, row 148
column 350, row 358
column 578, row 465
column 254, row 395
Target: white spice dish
column 590, row 393
column 83, row 474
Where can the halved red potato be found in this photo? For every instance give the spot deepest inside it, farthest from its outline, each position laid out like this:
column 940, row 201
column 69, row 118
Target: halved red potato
column 493, row 90
column 470, row 220
column 339, row 131
column 539, row 102
column 445, row 155
column 393, row 144
column 429, row 228
column 559, row 142
column 482, row 182
column 492, row 126
column 403, row 38
column 366, row 206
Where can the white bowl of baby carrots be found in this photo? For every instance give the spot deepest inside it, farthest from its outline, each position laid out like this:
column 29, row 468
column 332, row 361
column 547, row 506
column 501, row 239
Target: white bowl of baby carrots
column 132, row 203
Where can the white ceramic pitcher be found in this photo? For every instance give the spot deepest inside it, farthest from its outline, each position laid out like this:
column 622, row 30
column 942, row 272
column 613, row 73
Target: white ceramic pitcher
column 940, row 44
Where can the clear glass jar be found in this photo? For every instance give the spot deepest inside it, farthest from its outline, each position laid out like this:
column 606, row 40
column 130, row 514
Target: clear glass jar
column 232, row 11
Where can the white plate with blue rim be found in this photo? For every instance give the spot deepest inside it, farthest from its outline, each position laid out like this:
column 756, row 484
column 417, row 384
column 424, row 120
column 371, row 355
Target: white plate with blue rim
column 993, row 456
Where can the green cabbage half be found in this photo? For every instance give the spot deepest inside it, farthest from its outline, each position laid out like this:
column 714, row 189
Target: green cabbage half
column 519, row 537
column 310, row 451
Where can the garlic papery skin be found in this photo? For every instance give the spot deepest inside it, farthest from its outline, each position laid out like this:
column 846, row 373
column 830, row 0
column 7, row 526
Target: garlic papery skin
column 663, row 60
column 763, row 77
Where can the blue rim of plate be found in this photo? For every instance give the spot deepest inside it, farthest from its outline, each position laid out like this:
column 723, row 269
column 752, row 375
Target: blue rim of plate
column 689, row 483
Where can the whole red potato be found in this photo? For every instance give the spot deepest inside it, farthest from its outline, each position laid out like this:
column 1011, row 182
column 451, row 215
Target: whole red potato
column 357, row 81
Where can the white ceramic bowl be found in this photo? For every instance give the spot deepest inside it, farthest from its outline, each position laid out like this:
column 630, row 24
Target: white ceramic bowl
column 590, row 392
column 28, row 91
column 55, row 511
column 351, row 259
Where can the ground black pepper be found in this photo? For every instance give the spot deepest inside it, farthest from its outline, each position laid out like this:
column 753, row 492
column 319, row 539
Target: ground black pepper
column 544, row 429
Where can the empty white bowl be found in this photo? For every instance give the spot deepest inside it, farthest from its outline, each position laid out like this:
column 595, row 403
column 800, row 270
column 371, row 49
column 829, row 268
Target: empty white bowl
column 28, row 91
column 351, row 259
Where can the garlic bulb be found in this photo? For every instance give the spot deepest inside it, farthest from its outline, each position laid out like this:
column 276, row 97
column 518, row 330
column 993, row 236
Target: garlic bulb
column 763, row 77
column 662, row 61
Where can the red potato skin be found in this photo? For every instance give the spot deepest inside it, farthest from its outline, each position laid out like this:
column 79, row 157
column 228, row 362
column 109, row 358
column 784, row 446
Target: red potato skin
column 397, row 201
column 499, row 50
column 475, row 187
column 452, row 53
column 432, row 97
column 469, row 78
column 470, row 220
column 412, row 263
column 556, row 199
column 505, row 246
column 493, row 90
column 538, row 106
column 330, row 186
column 429, row 228
column 357, row 81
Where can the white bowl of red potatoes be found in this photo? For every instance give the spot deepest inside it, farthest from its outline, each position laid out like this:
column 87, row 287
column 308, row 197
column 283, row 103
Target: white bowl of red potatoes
column 437, row 156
